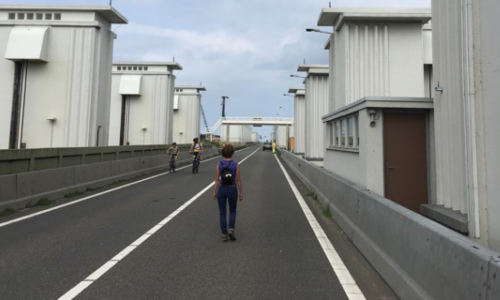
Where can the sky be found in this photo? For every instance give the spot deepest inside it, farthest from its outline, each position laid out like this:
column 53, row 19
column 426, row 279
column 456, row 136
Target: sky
column 243, row 49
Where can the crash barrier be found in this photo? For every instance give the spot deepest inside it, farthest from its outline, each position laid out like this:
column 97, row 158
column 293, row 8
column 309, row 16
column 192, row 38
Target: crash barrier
column 29, row 160
column 417, row 257
column 25, row 189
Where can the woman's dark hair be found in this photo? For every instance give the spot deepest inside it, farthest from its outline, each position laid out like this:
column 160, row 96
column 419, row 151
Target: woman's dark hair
column 227, row 151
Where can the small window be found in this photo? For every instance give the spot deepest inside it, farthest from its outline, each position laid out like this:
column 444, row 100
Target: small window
column 39, row 16
column 344, row 132
column 48, row 16
column 140, row 68
column 145, row 68
column 30, row 16
column 337, row 133
column 356, row 124
column 343, row 127
column 119, row 68
column 57, row 16
column 135, row 68
column 331, row 134
column 12, row 16
column 350, row 130
column 130, row 68
column 20, row 16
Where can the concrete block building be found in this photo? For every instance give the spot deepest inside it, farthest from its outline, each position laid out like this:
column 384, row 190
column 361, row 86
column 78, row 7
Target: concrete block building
column 284, row 136
column 187, row 108
column 56, row 75
column 316, row 106
column 299, row 128
column 380, row 110
column 236, row 134
column 142, row 103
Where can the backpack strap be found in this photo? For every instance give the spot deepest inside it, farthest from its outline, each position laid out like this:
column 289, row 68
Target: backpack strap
column 224, row 163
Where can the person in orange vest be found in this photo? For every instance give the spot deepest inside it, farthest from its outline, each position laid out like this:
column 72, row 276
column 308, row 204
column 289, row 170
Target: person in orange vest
column 274, row 145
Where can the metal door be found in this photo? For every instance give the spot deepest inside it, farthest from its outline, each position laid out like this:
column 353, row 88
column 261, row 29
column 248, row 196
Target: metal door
column 405, row 159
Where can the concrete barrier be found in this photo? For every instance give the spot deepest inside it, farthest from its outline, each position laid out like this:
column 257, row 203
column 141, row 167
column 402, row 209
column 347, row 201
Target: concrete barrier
column 29, row 160
column 27, row 188
column 418, row 258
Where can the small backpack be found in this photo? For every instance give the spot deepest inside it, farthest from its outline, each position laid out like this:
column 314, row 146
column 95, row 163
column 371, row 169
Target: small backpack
column 226, row 176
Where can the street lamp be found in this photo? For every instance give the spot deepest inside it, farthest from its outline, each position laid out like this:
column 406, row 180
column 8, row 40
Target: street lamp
column 289, row 95
column 317, row 30
column 224, row 106
column 52, row 121
column 297, row 76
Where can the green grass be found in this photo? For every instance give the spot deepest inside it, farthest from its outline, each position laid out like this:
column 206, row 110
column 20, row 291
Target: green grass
column 7, row 212
column 74, row 194
column 313, row 196
column 44, row 202
column 326, row 212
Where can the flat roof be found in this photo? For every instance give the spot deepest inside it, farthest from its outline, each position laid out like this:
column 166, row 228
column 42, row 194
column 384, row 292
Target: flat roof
column 338, row 16
column 306, row 68
column 107, row 12
column 296, row 90
column 198, row 88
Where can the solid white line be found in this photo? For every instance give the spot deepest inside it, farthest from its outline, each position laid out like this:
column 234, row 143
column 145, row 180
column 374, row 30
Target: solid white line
column 348, row 284
column 75, row 291
column 110, row 264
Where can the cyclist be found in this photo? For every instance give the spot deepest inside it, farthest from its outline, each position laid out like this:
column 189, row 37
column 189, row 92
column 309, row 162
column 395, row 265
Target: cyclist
column 196, row 149
column 175, row 151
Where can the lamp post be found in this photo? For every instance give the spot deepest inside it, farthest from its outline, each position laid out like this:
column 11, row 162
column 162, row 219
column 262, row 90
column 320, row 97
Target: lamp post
column 52, row 121
column 317, row 30
column 224, row 106
column 297, row 76
column 144, row 135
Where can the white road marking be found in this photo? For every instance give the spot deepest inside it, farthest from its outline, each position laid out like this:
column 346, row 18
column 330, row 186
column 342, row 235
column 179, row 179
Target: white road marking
column 348, row 283
column 75, row 291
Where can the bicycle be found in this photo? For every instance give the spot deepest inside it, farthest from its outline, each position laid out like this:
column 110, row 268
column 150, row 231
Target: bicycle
column 196, row 162
column 172, row 163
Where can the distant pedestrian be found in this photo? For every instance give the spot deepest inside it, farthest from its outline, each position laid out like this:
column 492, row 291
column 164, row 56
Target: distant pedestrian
column 274, row 146
column 228, row 189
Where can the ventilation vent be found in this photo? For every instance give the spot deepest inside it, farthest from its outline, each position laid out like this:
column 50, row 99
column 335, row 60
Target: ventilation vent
column 32, row 16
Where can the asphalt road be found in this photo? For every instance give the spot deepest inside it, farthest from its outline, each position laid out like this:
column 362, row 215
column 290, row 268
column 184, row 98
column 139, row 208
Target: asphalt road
column 142, row 241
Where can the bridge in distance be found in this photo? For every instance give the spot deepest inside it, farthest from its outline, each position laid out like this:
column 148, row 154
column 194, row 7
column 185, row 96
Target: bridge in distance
column 254, row 121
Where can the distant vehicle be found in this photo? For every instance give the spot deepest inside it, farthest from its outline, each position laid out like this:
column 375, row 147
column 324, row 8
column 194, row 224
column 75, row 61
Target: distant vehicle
column 267, row 146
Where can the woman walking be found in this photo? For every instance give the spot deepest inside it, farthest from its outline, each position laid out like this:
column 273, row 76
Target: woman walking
column 228, row 189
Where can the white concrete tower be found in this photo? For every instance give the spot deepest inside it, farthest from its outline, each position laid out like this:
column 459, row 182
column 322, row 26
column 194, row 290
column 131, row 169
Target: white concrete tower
column 316, row 106
column 142, row 103
column 56, row 75
column 187, row 108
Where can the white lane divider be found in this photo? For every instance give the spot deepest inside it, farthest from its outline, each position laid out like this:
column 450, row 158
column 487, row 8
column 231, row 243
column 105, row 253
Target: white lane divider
column 348, row 283
column 110, row 264
column 75, row 291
